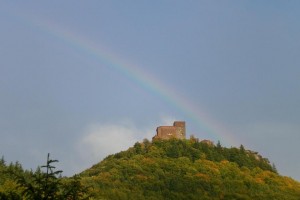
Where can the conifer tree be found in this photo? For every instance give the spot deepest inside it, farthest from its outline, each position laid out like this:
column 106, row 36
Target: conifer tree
column 42, row 185
column 47, row 184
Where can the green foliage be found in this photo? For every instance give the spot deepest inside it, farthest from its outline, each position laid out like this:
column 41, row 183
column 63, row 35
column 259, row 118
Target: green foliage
column 73, row 189
column 187, row 169
column 8, row 186
column 41, row 185
column 172, row 169
column 45, row 183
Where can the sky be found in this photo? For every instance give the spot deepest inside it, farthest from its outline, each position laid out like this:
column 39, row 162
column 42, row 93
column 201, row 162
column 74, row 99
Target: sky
column 84, row 79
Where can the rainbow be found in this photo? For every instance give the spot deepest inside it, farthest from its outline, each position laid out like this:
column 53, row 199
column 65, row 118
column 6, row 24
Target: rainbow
column 145, row 80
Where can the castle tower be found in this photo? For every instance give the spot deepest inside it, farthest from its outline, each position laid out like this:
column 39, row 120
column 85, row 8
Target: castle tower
column 180, row 129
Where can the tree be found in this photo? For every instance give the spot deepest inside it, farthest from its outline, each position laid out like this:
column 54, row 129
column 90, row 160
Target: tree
column 274, row 168
column 242, row 149
column 74, row 190
column 48, row 185
column 42, row 185
column 138, row 147
column 147, row 144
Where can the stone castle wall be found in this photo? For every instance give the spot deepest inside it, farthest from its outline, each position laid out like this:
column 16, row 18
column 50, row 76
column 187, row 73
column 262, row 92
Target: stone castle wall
column 167, row 132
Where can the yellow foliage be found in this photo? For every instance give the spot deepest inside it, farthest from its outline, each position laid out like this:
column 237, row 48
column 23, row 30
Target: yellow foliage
column 224, row 162
column 259, row 180
column 202, row 176
column 149, row 161
column 10, row 186
column 141, row 177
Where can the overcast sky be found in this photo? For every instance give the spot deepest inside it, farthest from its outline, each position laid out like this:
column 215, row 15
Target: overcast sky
column 85, row 79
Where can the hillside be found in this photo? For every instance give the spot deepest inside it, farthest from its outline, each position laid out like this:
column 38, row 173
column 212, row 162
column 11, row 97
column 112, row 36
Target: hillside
column 161, row 169
column 187, row 169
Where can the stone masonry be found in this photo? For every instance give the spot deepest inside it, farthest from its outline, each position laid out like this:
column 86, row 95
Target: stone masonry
column 167, row 132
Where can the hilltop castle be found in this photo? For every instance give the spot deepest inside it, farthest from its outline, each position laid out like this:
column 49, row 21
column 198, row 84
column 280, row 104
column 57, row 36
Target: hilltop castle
column 167, row 132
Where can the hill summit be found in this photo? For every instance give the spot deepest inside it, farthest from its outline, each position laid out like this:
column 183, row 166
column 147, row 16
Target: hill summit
column 187, row 169
column 168, row 167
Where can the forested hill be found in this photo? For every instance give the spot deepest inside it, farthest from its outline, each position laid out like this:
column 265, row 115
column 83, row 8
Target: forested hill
column 187, row 169
column 161, row 169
